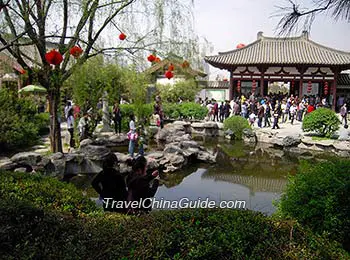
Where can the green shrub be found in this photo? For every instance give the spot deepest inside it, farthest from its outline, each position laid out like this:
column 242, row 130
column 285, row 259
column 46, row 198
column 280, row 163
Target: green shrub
column 323, row 121
column 44, row 192
column 171, row 110
column 192, row 111
column 32, row 228
column 318, row 197
column 236, row 124
column 42, row 121
column 17, row 126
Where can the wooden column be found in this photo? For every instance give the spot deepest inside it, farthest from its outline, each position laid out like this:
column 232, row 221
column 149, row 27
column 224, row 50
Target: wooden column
column 231, row 86
column 334, row 87
column 300, row 87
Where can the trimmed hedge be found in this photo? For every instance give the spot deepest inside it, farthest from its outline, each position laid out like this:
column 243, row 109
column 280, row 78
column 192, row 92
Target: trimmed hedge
column 45, row 192
column 318, row 197
column 31, row 230
column 323, row 121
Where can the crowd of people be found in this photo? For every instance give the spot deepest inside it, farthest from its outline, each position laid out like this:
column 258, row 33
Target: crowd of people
column 271, row 109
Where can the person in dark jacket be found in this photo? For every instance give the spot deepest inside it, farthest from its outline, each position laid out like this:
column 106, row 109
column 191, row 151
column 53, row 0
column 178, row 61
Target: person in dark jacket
column 141, row 186
column 117, row 119
column 110, row 185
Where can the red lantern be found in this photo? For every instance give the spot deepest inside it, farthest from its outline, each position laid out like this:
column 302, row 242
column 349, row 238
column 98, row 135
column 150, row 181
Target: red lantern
column 254, row 86
column 76, row 51
column 53, row 57
column 122, row 36
column 238, row 86
column 309, row 87
column 171, row 67
column 225, row 79
column 169, row 74
column 239, row 46
column 157, row 60
column 185, row 64
column 326, row 88
column 292, row 85
column 151, row 58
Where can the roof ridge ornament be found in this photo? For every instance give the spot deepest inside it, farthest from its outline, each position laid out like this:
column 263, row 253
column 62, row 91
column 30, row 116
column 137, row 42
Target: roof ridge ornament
column 260, row 35
column 305, row 35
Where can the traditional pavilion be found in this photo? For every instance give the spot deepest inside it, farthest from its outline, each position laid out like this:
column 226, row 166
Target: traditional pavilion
column 309, row 67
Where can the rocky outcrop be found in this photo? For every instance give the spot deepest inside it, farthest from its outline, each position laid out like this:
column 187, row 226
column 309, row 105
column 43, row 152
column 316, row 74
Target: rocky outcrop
column 205, row 129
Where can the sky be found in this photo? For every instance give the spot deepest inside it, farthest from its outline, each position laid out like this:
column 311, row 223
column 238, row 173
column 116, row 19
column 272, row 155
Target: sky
column 226, row 23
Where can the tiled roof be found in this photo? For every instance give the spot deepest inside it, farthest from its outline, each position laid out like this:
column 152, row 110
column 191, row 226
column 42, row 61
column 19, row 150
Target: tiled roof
column 215, row 84
column 281, row 51
column 343, row 79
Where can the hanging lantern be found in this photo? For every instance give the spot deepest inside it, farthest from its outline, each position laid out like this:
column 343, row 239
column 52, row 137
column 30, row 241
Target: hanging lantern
column 157, row 60
column 225, row 79
column 254, row 86
column 326, row 88
column 309, row 87
column 185, row 64
column 151, row 58
column 292, row 86
column 53, row 57
column 171, row 67
column 239, row 46
column 122, row 36
column 239, row 86
column 169, row 74
column 76, row 51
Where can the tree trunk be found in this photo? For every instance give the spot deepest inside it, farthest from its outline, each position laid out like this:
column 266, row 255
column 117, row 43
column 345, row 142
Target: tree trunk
column 55, row 126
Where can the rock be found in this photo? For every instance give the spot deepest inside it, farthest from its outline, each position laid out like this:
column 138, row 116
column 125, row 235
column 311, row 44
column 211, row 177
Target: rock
column 206, row 157
column 173, row 162
column 27, row 158
column 79, row 164
column 57, row 165
column 122, row 158
column 152, row 131
column 7, row 164
column 85, row 142
column 35, row 147
column 155, row 155
column 22, row 169
column 189, row 144
column 191, row 152
column 117, row 141
column 172, row 148
column 249, row 138
column 95, row 152
column 291, row 141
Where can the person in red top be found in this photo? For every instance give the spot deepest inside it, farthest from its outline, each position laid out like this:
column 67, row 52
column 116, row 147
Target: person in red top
column 310, row 108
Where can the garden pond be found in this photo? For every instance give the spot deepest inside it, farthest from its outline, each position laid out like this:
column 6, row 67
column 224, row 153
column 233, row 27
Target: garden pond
column 254, row 174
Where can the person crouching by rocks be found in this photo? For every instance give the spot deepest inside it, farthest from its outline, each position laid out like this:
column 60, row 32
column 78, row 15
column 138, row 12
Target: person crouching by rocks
column 110, row 185
column 141, row 186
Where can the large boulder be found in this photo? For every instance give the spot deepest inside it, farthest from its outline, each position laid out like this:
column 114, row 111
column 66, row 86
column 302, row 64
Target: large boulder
column 95, row 152
column 27, row 158
column 7, row 164
column 291, row 141
column 249, row 136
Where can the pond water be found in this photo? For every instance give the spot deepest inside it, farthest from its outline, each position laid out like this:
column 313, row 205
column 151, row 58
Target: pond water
column 255, row 175
column 242, row 173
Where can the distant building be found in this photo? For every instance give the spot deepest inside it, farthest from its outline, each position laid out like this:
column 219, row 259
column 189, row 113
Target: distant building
column 309, row 67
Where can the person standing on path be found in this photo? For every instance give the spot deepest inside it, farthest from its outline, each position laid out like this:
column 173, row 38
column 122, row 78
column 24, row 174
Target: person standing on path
column 276, row 115
column 132, row 136
column 117, row 119
column 344, row 114
column 68, row 110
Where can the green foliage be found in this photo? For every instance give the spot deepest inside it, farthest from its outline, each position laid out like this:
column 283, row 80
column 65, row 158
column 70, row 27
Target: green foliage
column 318, row 197
column 36, row 223
column 187, row 90
column 323, row 121
column 44, row 192
column 236, row 124
column 31, row 233
column 17, row 126
column 192, row 111
column 171, row 110
column 42, row 121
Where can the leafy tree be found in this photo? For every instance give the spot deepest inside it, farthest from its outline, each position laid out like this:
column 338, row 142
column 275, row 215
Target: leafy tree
column 187, row 90
column 295, row 14
column 323, row 121
column 31, row 26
